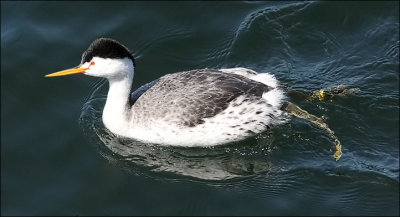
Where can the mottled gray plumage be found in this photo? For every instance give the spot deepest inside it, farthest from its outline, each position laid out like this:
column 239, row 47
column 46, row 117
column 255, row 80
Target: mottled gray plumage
column 186, row 98
column 137, row 93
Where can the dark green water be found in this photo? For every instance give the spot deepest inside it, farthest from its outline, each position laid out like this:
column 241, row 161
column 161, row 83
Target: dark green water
column 57, row 159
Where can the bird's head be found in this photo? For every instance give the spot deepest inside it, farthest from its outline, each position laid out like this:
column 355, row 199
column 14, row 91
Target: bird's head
column 105, row 58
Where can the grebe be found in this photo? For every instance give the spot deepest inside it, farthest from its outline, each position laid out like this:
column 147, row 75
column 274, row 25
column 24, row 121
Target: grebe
column 202, row 107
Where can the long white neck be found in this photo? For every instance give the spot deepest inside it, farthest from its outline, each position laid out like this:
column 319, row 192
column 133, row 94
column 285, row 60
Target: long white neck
column 116, row 113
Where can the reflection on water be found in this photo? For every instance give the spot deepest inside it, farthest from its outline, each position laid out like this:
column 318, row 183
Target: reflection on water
column 245, row 158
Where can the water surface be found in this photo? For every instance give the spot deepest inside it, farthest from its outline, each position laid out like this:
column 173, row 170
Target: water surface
column 57, row 158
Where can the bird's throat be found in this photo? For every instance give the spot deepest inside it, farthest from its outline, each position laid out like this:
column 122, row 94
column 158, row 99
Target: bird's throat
column 116, row 113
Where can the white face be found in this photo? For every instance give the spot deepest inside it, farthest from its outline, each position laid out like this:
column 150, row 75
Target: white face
column 109, row 68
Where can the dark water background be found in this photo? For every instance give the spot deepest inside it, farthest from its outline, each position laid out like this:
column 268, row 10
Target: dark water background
column 56, row 159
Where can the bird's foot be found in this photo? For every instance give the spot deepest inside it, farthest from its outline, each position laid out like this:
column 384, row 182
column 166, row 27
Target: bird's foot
column 329, row 93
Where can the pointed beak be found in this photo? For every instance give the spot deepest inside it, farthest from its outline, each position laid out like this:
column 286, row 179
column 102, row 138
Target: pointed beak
column 72, row 71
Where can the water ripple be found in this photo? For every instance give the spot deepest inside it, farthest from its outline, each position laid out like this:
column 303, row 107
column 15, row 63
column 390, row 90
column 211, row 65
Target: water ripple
column 253, row 158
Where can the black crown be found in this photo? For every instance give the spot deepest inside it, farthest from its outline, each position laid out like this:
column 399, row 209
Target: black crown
column 106, row 48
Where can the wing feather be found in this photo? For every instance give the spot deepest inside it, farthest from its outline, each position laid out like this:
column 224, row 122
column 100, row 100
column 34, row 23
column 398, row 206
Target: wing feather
column 186, row 98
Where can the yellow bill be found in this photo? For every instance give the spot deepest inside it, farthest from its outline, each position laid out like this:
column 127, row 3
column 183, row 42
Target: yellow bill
column 67, row 72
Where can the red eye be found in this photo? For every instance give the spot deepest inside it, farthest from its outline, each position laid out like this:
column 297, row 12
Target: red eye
column 92, row 63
